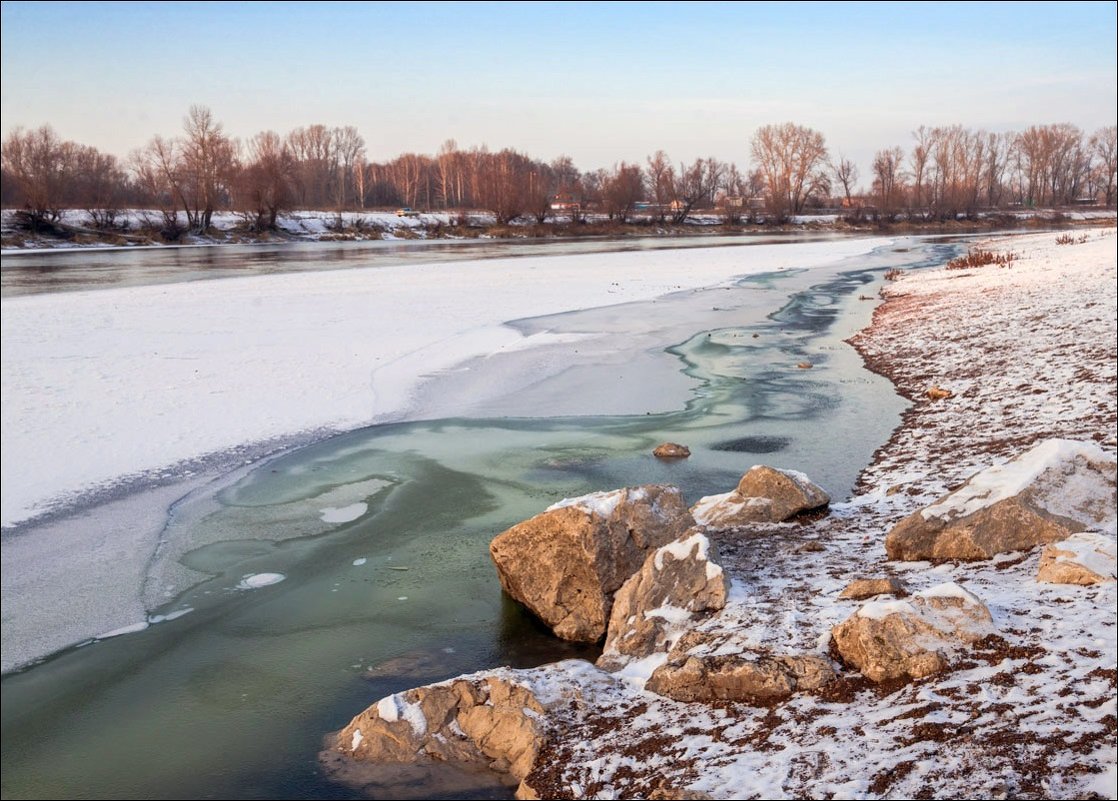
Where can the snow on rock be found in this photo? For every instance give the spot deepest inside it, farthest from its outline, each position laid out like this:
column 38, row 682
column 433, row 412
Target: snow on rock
column 677, row 583
column 1056, row 488
column 566, row 563
column 764, row 494
column 911, row 639
column 497, row 719
column 1085, row 558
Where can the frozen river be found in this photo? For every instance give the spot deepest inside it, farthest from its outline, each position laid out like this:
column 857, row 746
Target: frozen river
column 270, row 599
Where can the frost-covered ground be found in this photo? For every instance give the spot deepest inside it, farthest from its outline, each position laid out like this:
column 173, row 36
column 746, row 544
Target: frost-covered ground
column 1030, row 352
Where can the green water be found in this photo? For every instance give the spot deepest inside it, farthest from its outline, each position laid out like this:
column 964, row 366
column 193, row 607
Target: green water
column 233, row 699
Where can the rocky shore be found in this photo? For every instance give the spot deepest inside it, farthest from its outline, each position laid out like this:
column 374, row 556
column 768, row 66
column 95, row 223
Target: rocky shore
column 947, row 632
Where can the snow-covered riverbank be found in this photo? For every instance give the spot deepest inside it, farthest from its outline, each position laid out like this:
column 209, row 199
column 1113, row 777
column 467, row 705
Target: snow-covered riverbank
column 1029, row 352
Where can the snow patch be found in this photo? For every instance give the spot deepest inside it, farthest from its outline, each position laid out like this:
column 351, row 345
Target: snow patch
column 682, row 549
column 1000, row 482
column 254, row 581
column 130, row 629
column 599, row 503
column 344, row 514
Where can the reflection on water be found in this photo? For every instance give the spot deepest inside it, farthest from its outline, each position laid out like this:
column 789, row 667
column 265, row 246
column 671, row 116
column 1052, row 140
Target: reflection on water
column 233, row 698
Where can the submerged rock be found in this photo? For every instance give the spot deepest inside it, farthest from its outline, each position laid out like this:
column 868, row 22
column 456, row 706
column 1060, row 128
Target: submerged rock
column 566, row 563
column 911, row 639
column 1086, row 558
column 1056, row 489
column 671, row 450
column 676, row 583
column 764, row 495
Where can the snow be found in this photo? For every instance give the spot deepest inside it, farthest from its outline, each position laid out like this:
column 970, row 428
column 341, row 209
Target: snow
column 359, row 561
column 130, row 629
column 356, row 741
column 1005, row 481
column 1033, row 719
column 695, row 546
column 127, row 381
column 396, row 707
column 879, row 610
column 595, row 503
column 1092, row 550
column 949, row 589
column 254, row 581
column 344, row 514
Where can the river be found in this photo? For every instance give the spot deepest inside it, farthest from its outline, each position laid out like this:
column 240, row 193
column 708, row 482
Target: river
column 380, row 535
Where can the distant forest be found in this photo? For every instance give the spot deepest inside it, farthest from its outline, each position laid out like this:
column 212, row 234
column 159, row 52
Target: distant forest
column 945, row 173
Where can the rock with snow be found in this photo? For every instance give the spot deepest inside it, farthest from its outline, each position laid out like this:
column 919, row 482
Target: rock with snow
column 699, row 670
column 566, row 563
column 911, row 639
column 676, row 583
column 1056, row 489
column 490, row 722
column 671, row 450
column 861, row 589
column 1085, row 558
column 764, row 495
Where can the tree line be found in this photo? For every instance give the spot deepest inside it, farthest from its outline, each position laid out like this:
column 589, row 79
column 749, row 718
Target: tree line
column 945, row 173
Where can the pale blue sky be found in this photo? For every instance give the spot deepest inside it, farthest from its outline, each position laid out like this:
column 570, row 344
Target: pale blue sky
column 598, row 81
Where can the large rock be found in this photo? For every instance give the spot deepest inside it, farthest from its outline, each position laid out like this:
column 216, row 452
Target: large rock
column 566, row 563
column 1086, row 558
column 677, row 582
column 1056, row 489
column 500, row 720
column 493, row 723
column 891, row 640
column 699, row 670
column 764, row 495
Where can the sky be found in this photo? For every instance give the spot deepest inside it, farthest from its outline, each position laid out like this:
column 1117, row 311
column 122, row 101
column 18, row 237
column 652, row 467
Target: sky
column 601, row 82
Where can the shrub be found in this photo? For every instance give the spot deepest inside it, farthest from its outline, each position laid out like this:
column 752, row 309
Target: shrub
column 977, row 257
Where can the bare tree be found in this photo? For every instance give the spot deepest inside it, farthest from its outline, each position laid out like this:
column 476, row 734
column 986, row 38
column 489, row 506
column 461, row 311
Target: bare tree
column 266, row 184
column 208, row 158
column 793, row 160
column 846, row 175
column 1104, row 148
column 888, row 180
column 622, row 189
column 36, row 160
column 661, row 181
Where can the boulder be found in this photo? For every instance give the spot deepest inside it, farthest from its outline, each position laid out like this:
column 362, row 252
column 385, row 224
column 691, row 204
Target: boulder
column 677, row 582
column 860, row 589
column 492, row 723
column 566, row 563
column 497, row 721
column 939, row 393
column 910, row 639
column 1085, row 558
column 764, row 495
column 698, row 669
column 671, row 450
column 1056, row 489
